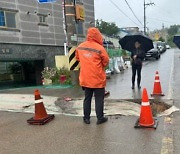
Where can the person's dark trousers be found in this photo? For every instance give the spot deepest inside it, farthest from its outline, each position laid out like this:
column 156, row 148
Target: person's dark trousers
column 99, row 102
column 136, row 68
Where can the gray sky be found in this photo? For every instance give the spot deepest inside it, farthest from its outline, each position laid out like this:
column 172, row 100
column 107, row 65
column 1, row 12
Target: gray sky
column 165, row 12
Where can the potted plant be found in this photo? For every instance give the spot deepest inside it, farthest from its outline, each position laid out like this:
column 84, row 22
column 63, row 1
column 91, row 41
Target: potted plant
column 47, row 75
column 62, row 76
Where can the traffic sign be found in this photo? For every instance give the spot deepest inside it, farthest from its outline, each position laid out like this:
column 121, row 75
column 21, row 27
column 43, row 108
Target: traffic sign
column 46, row 1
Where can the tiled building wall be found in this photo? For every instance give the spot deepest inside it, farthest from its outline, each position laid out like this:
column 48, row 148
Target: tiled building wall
column 28, row 30
column 27, row 20
column 31, row 40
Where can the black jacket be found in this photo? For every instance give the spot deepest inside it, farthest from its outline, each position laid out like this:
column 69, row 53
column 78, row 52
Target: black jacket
column 140, row 56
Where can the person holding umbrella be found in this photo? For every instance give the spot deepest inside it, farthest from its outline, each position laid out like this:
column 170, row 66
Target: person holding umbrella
column 137, row 57
column 138, row 44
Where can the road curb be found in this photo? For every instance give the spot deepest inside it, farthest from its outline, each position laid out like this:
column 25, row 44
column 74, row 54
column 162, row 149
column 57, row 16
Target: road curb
column 167, row 140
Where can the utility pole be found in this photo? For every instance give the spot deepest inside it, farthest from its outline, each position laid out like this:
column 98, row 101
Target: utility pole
column 71, row 35
column 164, row 33
column 70, row 22
column 145, row 5
column 73, row 12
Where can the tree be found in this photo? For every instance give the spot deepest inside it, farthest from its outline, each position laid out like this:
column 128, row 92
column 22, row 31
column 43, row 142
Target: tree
column 172, row 30
column 170, row 41
column 161, row 39
column 110, row 29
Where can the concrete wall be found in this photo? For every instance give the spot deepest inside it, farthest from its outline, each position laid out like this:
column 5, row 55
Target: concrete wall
column 29, row 31
column 31, row 41
column 89, row 14
column 26, row 52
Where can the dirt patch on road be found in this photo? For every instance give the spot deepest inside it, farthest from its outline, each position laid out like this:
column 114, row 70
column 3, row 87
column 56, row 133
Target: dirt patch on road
column 157, row 106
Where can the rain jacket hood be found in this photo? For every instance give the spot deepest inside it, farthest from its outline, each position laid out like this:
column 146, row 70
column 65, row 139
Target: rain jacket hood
column 94, row 34
column 93, row 59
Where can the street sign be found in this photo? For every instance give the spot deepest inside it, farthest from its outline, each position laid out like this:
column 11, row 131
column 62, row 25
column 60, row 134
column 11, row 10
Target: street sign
column 46, row 1
column 80, row 13
column 156, row 36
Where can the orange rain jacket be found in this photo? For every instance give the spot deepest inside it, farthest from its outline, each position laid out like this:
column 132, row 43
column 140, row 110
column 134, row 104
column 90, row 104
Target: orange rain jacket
column 93, row 59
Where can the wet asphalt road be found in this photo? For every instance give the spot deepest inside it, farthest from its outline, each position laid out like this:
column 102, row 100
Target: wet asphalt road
column 69, row 135
column 120, row 84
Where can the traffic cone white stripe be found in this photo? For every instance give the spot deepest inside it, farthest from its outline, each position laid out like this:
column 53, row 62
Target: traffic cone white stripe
column 157, row 81
column 145, row 104
column 39, row 101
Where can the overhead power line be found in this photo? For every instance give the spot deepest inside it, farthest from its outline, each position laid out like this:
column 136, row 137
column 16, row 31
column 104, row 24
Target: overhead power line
column 122, row 12
column 133, row 12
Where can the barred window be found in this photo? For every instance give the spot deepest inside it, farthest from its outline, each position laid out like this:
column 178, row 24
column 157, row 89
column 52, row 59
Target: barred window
column 42, row 19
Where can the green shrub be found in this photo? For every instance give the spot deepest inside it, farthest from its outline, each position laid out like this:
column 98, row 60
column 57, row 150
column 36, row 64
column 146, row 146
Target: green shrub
column 59, row 72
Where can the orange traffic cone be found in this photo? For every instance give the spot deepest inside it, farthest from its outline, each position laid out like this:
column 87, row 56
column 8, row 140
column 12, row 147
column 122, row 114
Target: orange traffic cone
column 157, row 86
column 41, row 117
column 146, row 118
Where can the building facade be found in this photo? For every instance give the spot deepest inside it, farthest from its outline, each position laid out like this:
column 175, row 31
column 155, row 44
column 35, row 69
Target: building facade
column 32, row 34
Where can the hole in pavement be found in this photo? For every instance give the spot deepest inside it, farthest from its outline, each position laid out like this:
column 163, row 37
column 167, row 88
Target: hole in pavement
column 157, row 106
column 74, row 107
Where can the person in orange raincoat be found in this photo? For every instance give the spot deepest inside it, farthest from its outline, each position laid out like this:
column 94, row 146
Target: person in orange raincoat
column 93, row 59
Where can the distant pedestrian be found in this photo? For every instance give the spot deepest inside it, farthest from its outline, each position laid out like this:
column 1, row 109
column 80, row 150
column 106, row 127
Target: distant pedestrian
column 137, row 57
column 93, row 59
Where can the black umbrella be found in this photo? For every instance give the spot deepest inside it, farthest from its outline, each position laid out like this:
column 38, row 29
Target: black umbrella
column 176, row 40
column 128, row 42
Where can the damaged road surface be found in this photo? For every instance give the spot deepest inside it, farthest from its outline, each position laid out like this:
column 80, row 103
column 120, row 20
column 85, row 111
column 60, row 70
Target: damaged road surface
column 74, row 107
column 117, row 107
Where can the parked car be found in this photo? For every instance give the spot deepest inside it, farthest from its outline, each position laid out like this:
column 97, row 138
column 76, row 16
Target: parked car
column 161, row 46
column 108, row 44
column 153, row 53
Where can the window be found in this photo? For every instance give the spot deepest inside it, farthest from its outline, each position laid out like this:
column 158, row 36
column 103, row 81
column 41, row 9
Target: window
column 5, row 67
column 2, row 18
column 42, row 19
column 10, row 20
column 7, row 19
